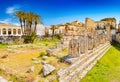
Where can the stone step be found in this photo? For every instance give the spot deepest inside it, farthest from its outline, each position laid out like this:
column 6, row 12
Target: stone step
column 83, row 59
column 87, row 63
column 93, row 63
column 81, row 64
column 72, row 68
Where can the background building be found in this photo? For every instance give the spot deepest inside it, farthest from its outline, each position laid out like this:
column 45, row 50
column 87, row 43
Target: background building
column 13, row 30
column 40, row 30
column 10, row 30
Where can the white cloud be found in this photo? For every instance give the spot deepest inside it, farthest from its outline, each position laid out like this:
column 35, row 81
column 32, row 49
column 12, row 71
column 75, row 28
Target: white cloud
column 12, row 9
column 9, row 21
column 17, row 24
column 5, row 21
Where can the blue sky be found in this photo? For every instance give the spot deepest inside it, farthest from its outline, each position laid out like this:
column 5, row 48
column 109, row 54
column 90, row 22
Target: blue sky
column 60, row 11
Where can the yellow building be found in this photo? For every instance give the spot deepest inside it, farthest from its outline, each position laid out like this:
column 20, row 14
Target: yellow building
column 10, row 30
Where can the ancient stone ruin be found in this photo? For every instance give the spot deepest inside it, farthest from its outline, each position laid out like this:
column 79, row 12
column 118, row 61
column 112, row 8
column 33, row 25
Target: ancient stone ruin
column 73, row 48
column 86, row 44
column 85, row 50
column 90, row 28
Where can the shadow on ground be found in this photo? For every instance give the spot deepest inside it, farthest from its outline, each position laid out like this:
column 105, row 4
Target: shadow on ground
column 116, row 45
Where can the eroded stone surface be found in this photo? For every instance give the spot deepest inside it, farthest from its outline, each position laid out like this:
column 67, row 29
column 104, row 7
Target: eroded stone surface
column 47, row 69
column 44, row 57
column 82, row 44
column 69, row 59
column 90, row 41
column 31, row 69
column 73, row 48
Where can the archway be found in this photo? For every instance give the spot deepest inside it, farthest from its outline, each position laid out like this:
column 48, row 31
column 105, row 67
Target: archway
column 4, row 31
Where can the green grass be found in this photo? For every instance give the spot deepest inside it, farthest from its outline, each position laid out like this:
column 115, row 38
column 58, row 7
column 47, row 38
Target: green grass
column 107, row 69
column 3, row 45
column 50, row 42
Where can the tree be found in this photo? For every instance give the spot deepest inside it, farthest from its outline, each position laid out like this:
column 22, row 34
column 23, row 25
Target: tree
column 53, row 27
column 24, row 20
column 36, row 21
column 28, row 19
column 19, row 14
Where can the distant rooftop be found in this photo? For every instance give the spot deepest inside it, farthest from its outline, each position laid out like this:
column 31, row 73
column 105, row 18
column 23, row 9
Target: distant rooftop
column 3, row 24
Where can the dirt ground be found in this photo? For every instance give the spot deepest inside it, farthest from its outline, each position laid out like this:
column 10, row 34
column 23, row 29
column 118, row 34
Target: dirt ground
column 18, row 61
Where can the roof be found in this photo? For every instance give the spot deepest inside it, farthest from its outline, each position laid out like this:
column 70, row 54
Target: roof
column 3, row 24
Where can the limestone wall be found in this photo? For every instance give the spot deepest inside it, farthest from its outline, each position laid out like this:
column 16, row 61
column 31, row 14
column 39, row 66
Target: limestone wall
column 90, row 25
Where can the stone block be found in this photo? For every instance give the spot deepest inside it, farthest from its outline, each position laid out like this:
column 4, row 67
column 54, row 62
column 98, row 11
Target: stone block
column 73, row 48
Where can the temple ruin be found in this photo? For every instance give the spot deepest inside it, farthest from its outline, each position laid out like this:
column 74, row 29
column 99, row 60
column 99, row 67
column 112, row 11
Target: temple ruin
column 88, row 47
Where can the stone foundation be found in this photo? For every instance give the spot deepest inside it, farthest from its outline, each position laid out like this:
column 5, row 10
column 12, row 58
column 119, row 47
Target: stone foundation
column 85, row 62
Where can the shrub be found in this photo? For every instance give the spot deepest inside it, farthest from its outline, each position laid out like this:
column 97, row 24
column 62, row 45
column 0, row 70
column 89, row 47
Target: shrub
column 42, row 54
column 46, row 44
column 58, row 36
column 30, row 38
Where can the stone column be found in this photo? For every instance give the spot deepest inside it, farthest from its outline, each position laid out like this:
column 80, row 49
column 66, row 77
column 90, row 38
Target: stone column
column 1, row 32
column 82, row 40
column 102, row 38
column 16, row 31
column 6, row 31
column 90, row 41
column 73, row 48
column 108, row 32
column 12, row 31
column 95, row 40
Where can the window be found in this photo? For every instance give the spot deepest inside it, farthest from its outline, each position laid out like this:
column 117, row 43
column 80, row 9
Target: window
column 4, row 31
column 14, row 31
column 19, row 31
column 9, row 31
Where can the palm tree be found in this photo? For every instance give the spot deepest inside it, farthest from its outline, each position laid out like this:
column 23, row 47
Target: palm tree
column 53, row 27
column 27, row 18
column 19, row 14
column 24, row 21
column 36, row 21
column 27, row 23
